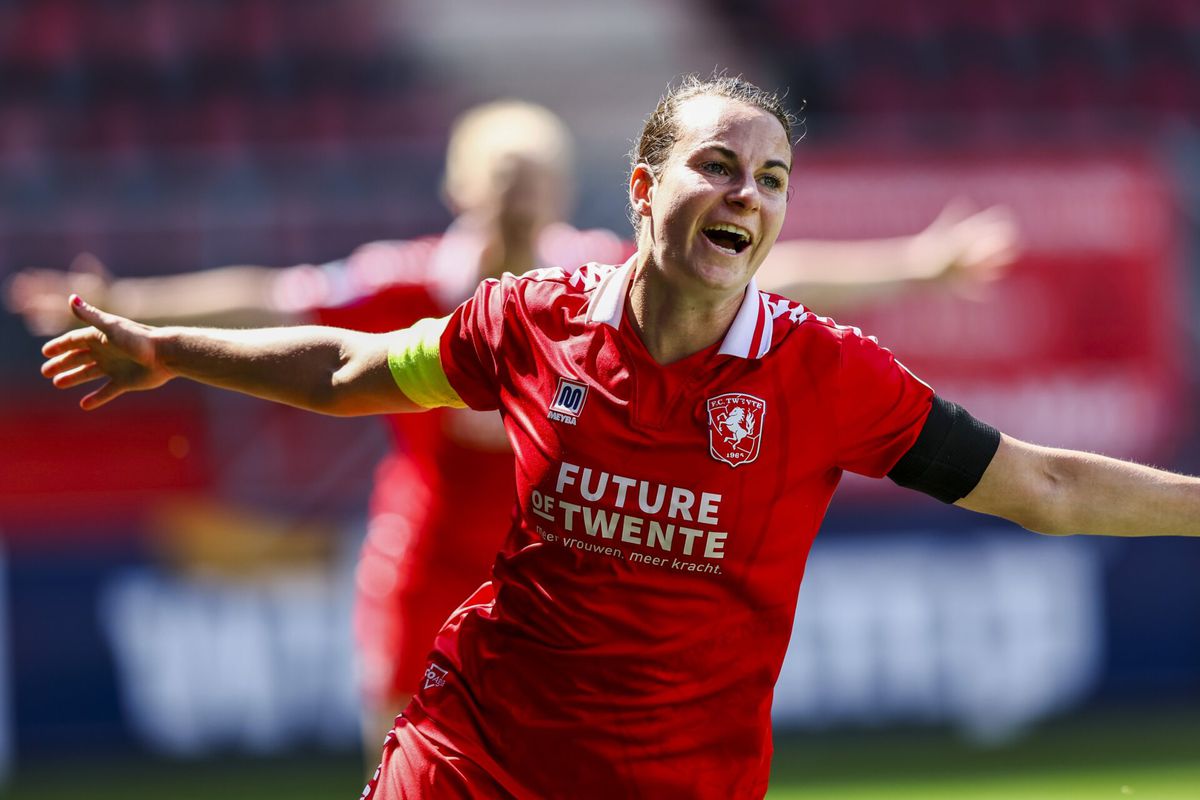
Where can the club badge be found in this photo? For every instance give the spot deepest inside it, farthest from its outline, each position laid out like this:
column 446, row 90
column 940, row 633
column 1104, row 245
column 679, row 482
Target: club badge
column 735, row 425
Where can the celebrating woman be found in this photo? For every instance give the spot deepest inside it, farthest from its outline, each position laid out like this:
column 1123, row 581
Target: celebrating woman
column 678, row 435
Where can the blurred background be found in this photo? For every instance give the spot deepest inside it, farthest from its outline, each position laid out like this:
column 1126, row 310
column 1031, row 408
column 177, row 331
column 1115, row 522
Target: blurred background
column 176, row 570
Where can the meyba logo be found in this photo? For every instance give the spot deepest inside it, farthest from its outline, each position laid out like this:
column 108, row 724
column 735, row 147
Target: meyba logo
column 435, row 676
column 735, row 426
column 568, row 401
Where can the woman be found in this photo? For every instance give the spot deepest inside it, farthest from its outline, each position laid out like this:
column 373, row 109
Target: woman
column 678, row 435
column 508, row 172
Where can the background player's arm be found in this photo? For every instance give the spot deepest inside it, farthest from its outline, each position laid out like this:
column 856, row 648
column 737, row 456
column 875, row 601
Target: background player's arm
column 232, row 295
column 1062, row 492
column 969, row 249
column 328, row 370
column 235, row 295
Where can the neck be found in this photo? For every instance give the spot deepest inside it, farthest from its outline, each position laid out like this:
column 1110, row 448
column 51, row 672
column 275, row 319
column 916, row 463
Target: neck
column 674, row 323
column 506, row 250
column 502, row 255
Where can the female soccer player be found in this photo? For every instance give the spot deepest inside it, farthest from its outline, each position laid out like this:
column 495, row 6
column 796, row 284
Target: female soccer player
column 678, row 434
column 431, row 534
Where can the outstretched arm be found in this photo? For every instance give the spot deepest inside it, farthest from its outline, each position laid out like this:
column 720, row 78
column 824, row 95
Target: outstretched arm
column 228, row 296
column 328, row 370
column 967, row 249
column 1063, row 492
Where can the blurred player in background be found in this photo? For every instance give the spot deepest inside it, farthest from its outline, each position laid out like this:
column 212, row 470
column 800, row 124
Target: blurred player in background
column 446, row 489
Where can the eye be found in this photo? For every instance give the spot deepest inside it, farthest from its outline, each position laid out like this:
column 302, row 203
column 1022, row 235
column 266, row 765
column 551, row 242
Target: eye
column 771, row 181
column 714, row 168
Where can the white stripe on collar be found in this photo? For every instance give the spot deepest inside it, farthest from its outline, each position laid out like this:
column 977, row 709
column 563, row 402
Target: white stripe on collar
column 608, row 301
column 751, row 323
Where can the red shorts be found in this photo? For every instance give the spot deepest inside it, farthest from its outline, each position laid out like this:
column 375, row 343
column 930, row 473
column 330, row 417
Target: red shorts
column 415, row 767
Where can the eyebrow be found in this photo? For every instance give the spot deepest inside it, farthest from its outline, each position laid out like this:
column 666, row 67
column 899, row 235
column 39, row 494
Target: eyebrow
column 774, row 162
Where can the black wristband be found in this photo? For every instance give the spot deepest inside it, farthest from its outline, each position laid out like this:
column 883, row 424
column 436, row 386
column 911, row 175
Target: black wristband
column 950, row 455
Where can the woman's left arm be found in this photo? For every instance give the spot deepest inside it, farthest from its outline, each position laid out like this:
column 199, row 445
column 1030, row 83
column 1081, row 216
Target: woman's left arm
column 1062, row 492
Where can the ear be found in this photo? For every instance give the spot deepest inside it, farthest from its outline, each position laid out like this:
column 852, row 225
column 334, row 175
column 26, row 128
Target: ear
column 641, row 190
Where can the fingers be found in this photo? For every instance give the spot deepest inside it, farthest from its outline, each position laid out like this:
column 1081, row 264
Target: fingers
column 76, row 367
column 38, row 294
column 101, row 320
column 84, row 374
column 991, row 251
column 84, row 311
column 67, row 361
column 45, row 316
column 39, row 297
column 987, row 243
column 959, row 208
column 35, row 282
column 996, row 253
column 15, row 292
column 79, row 339
column 94, row 353
column 124, row 335
column 24, row 289
column 107, row 392
column 997, row 221
column 961, row 217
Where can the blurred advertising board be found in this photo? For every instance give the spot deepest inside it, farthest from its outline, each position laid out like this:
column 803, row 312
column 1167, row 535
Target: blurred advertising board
column 1080, row 343
column 193, row 634
column 7, row 737
column 978, row 627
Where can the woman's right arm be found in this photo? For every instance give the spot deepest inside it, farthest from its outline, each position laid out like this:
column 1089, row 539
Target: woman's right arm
column 327, row 370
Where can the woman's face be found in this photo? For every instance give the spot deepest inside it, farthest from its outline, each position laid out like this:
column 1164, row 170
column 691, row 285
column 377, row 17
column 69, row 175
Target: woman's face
column 717, row 207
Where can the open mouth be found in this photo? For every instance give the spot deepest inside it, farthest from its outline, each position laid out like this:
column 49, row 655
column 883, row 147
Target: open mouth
column 729, row 238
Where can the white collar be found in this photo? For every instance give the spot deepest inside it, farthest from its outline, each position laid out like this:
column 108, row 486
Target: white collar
column 748, row 337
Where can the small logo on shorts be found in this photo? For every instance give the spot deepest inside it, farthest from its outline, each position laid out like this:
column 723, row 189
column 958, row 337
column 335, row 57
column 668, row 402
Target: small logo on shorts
column 568, row 401
column 435, row 676
column 735, row 425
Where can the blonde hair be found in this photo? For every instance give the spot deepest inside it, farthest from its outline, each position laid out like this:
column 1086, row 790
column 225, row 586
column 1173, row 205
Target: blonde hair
column 486, row 134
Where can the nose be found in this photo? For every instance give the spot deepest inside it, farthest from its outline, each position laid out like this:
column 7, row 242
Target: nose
column 744, row 194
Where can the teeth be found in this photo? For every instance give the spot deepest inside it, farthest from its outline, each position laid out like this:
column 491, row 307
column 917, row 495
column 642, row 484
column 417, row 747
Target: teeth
column 728, row 228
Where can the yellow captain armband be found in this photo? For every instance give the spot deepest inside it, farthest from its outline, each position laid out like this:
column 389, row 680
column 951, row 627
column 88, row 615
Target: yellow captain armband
column 416, row 365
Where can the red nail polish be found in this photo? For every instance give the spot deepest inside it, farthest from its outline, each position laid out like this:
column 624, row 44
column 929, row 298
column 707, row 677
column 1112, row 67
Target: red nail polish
column 76, row 301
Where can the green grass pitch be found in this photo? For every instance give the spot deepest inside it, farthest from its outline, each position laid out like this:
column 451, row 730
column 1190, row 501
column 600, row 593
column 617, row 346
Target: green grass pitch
column 1142, row 755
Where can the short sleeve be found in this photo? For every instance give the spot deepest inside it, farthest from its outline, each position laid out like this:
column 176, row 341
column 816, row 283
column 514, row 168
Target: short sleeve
column 370, row 269
column 379, row 312
column 470, row 345
column 881, row 407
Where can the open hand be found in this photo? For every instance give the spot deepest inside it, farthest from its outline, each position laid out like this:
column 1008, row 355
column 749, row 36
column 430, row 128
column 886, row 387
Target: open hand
column 119, row 351
column 972, row 247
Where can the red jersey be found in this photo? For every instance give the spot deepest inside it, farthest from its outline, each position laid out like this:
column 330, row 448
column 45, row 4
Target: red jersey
column 387, row 285
column 642, row 603
column 433, row 530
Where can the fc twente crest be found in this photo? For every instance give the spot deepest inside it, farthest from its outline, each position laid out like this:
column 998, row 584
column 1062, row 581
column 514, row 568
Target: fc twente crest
column 735, row 426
